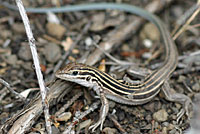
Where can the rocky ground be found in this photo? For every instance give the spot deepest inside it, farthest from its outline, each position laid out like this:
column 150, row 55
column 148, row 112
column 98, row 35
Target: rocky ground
column 67, row 37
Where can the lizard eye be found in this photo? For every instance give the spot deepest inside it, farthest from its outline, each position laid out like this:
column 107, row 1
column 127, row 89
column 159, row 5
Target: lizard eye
column 75, row 72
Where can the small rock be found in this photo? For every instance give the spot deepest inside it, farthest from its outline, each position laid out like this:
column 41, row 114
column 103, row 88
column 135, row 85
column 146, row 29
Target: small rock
column 148, row 118
column 147, row 127
column 100, row 22
column 151, row 32
column 153, row 106
column 52, row 17
column 160, row 115
column 165, row 124
column 88, row 41
column 112, row 104
column 121, row 115
column 27, row 66
column 109, row 130
column 55, row 130
column 5, row 34
column 146, row 55
column 11, row 59
column 174, row 109
column 197, row 97
column 178, row 105
column 67, row 43
column 147, row 43
column 196, row 87
column 176, row 11
column 64, row 116
column 75, row 51
column 40, row 126
column 181, row 79
column 109, row 123
column 84, row 124
column 156, row 125
column 18, row 28
column 191, row 59
column 164, row 130
column 125, row 47
column 33, row 133
column 25, row 52
column 170, row 127
column 71, row 59
column 55, row 30
column 52, row 52
column 173, row 131
column 135, row 131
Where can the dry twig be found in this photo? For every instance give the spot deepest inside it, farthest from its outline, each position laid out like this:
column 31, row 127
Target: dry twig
column 43, row 89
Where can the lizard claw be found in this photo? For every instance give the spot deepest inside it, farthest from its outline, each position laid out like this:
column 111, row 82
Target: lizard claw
column 99, row 122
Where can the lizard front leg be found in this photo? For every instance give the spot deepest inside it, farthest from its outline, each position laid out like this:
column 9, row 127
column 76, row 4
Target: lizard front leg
column 103, row 111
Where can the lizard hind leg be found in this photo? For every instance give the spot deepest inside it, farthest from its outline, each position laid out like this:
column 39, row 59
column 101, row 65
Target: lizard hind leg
column 171, row 95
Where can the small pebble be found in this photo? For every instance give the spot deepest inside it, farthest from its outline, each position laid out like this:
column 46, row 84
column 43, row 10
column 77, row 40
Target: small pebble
column 18, row 28
column 178, row 105
column 5, row 34
column 112, row 104
column 160, row 115
column 55, row 30
column 170, row 127
column 181, row 79
column 55, row 130
column 196, row 87
column 151, row 32
column 84, row 124
column 164, row 130
column 64, row 116
column 11, row 59
column 191, row 59
column 109, row 130
column 75, row 51
column 27, row 66
column 125, row 47
column 88, row 41
column 176, row 11
column 147, row 126
column 25, row 52
column 148, row 118
column 98, row 22
column 166, row 124
column 146, row 55
column 52, row 18
column 121, row 115
column 52, row 52
column 147, row 43
column 72, row 59
column 172, row 131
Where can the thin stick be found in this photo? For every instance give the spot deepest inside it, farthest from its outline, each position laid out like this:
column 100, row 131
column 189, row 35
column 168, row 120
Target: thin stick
column 36, row 63
column 80, row 116
column 61, row 110
column 184, row 27
column 11, row 90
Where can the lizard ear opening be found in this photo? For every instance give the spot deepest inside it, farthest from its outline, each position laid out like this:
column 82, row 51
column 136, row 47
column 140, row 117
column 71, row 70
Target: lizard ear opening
column 88, row 78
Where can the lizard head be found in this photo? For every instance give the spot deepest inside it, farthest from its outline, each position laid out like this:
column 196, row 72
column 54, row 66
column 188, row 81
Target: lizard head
column 78, row 73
